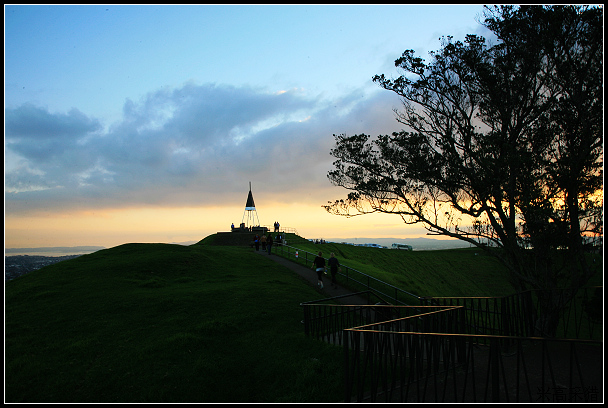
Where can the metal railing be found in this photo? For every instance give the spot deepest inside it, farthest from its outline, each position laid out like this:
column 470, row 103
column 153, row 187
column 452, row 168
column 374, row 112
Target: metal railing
column 458, row 349
column 454, row 352
column 282, row 230
column 390, row 362
column 352, row 278
column 518, row 314
column 325, row 319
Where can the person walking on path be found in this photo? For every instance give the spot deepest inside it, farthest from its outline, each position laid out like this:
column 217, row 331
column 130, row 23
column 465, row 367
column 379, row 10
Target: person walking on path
column 334, row 267
column 256, row 241
column 319, row 263
column 269, row 243
column 263, row 241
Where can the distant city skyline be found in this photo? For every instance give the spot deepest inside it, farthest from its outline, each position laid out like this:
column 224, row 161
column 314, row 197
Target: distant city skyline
column 147, row 123
column 418, row 244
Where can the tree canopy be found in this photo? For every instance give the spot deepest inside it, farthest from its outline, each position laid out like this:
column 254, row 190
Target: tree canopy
column 502, row 145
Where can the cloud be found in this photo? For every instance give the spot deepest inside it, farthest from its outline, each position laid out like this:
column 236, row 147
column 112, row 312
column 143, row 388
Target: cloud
column 34, row 123
column 39, row 135
column 194, row 145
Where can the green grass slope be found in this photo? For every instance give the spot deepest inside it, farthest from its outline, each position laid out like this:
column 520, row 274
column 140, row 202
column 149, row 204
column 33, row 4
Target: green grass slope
column 454, row 272
column 204, row 323
column 164, row 323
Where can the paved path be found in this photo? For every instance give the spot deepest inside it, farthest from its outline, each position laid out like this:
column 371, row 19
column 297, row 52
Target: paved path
column 310, row 276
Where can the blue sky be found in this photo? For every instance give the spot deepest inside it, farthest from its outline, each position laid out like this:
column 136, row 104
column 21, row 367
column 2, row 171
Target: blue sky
column 166, row 109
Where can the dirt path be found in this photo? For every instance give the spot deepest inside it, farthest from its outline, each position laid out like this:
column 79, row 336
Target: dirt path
column 310, row 277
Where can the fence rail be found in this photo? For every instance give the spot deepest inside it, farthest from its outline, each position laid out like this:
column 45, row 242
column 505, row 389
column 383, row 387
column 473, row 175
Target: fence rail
column 393, row 366
column 453, row 353
column 326, row 321
column 417, row 360
column 518, row 314
column 458, row 349
column 283, row 230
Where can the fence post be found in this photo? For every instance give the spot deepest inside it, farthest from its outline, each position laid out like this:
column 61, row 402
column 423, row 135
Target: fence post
column 347, row 382
column 494, row 358
column 461, row 319
column 306, row 320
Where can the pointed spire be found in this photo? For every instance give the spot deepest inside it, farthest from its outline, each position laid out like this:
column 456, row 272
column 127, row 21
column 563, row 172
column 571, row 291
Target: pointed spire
column 250, row 206
column 250, row 210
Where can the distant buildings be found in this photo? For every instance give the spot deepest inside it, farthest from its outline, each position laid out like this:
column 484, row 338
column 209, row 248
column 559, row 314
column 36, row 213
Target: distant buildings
column 15, row 266
column 402, row 246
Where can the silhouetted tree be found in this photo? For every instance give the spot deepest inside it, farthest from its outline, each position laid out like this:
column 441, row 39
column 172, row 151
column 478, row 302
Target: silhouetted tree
column 503, row 147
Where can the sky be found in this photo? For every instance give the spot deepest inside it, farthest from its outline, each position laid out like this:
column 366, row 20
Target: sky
column 147, row 123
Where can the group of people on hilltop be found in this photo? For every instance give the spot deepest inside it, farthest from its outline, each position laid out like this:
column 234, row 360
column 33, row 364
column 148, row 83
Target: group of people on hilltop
column 266, row 241
column 276, row 226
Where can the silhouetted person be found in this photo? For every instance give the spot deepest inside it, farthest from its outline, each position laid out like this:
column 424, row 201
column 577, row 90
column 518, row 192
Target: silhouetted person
column 319, row 262
column 263, row 241
column 334, row 266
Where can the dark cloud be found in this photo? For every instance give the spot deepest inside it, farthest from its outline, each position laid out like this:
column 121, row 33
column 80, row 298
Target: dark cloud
column 33, row 123
column 39, row 135
column 194, row 145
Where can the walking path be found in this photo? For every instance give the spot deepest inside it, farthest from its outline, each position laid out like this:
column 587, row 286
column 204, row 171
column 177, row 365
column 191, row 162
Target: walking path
column 310, row 276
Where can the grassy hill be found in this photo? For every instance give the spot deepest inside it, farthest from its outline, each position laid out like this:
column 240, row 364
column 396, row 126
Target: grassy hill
column 164, row 323
column 452, row 272
column 203, row 323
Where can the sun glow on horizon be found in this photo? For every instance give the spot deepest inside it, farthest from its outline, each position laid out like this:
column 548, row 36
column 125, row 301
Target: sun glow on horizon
column 165, row 225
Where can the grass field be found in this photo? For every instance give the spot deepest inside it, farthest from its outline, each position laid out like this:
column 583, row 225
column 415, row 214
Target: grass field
column 204, row 323
column 453, row 272
column 164, row 323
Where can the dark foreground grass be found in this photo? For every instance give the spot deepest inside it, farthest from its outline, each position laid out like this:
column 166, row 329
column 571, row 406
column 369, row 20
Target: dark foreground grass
column 164, row 323
column 168, row 323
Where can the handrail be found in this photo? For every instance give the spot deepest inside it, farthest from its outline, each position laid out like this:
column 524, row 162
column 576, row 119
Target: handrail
column 283, row 230
column 372, row 283
column 430, row 354
column 394, row 357
column 392, row 365
column 366, row 292
column 517, row 313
